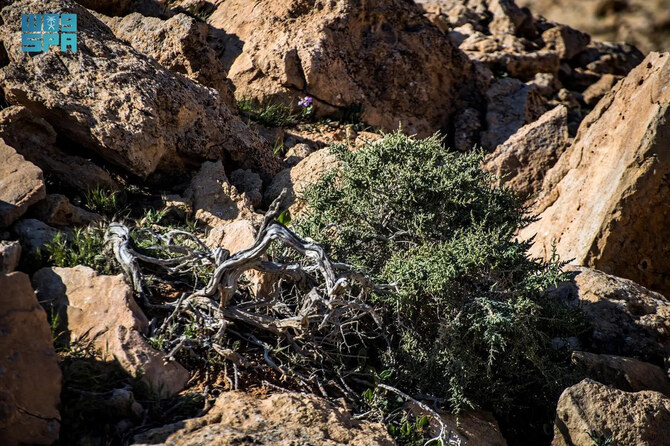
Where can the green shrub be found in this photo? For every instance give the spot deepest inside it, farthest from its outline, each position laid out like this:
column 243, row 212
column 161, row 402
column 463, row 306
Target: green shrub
column 84, row 247
column 469, row 321
column 102, row 201
column 269, row 115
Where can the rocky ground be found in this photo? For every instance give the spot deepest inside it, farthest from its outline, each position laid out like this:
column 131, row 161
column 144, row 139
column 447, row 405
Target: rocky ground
column 184, row 115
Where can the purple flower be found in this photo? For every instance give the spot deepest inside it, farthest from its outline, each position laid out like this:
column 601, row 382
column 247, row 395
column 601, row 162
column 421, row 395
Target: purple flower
column 305, row 102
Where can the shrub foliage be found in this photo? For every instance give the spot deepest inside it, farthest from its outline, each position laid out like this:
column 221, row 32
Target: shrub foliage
column 469, row 320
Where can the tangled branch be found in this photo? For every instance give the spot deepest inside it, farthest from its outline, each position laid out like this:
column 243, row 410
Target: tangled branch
column 309, row 332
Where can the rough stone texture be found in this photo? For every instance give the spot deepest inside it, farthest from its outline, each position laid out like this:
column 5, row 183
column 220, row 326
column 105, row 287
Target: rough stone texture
column 640, row 22
column 297, row 153
column 120, row 104
column 379, row 55
column 510, row 43
column 296, row 179
column 179, row 44
column 33, row 234
column 640, row 418
column 281, row 420
column 35, row 139
column 248, row 183
column 21, row 185
column 102, row 310
column 214, row 200
column 606, row 201
column 522, row 161
column 623, row 373
column 109, row 7
column 626, row 318
column 567, row 41
column 596, row 91
column 510, row 105
column 234, row 236
column 56, row 210
column 31, row 378
column 10, row 254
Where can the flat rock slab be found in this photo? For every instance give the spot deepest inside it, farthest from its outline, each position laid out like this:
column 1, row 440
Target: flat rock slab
column 101, row 310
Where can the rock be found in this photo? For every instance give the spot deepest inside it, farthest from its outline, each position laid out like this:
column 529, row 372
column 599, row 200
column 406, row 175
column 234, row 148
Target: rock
column 122, row 105
column 510, row 106
column 626, row 318
column 381, row 58
column 567, row 41
column 234, row 236
column 605, row 202
column 590, row 408
column 282, row 419
column 215, row 201
column 522, row 161
column 624, row 373
column 609, row 58
column 56, row 210
column 297, row 153
column 35, row 139
column 10, row 254
column 296, row 179
column 363, row 138
column 519, row 65
column 31, row 378
column 101, row 310
column 34, row 234
column 179, row 44
column 639, row 22
column 248, row 183
column 448, row 14
column 545, row 83
column 21, row 185
column 109, row 7
column 467, row 126
column 507, row 17
column 596, row 91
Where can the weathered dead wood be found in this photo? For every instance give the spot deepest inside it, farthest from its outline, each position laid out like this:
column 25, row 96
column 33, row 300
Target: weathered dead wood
column 319, row 321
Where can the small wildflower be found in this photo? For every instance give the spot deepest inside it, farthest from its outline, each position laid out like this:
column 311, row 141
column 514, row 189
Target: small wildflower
column 305, row 102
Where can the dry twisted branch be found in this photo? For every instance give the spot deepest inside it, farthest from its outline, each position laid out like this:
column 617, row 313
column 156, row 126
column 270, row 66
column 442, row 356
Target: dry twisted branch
column 319, row 323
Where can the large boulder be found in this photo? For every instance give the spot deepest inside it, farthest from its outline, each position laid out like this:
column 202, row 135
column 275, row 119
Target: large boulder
column 626, row 318
column 101, row 310
column 522, row 161
column 34, row 234
column 35, row 140
column 21, row 185
column 31, row 378
column 590, row 411
column 282, row 419
column 120, row 104
column 381, row 58
column 605, row 202
column 631, row 375
column 179, row 44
